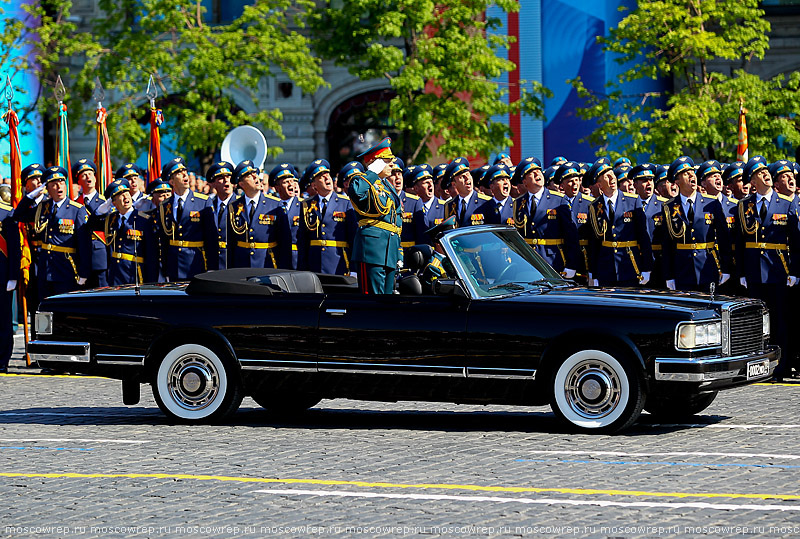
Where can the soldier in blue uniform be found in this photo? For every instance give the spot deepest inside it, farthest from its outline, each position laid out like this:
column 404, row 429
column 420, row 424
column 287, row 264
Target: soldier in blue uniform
column 31, row 180
column 129, row 235
column 767, row 231
column 283, row 178
column 218, row 177
column 544, row 218
column 84, row 173
column 134, row 175
column 438, row 175
column 499, row 210
column 431, row 210
column 733, row 180
column 477, row 180
column 438, row 266
column 65, row 258
column 188, row 234
column 467, row 202
column 568, row 177
column 620, row 252
column 695, row 239
column 10, row 256
column 346, row 173
column 643, row 177
column 710, row 176
column 376, row 247
column 258, row 228
column 156, row 193
column 327, row 225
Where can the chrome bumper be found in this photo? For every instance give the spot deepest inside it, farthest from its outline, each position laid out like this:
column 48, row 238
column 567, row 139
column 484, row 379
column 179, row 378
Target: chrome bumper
column 714, row 368
column 60, row 351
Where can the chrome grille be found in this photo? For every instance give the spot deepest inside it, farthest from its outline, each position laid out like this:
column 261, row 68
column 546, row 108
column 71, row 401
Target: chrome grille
column 746, row 329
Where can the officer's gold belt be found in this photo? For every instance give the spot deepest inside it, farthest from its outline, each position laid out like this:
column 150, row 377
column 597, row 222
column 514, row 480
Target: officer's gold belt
column 620, row 244
column 294, row 247
column 181, row 243
column 656, row 247
column 407, row 243
column 223, row 245
column 247, row 245
column 694, row 246
column 36, row 243
column 59, row 248
column 126, row 256
column 583, row 243
column 380, row 224
column 328, row 243
column 757, row 245
column 541, row 241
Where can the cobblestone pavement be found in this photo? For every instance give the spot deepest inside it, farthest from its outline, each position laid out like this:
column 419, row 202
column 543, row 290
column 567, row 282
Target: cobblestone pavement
column 74, row 461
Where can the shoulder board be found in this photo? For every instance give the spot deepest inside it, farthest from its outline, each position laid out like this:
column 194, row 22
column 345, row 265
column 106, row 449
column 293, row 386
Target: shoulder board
column 101, row 197
column 201, row 196
column 630, row 195
column 557, row 193
column 272, row 197
column 784, row 197
column 440, row 201
column 484, row 197
column 4, row 206
column 587, row 197
column 76, row 204
column 732, row 200
column 662, row 199
column 708, row 196
column 412, row 196
column 145, row 214
column 343, row 196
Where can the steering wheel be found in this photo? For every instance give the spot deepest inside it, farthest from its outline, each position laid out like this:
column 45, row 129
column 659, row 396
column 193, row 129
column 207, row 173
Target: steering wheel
column 508, row 270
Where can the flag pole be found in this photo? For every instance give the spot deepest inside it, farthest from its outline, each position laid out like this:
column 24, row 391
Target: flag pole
column 742, row 146
column 102, row 150
column 62, row 140
column 156, row 119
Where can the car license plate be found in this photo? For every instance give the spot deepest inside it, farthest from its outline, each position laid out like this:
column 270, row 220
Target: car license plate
column 757, row 369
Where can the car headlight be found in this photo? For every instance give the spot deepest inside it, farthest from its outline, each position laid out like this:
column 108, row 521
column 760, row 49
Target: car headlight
column 691, row 335
column 43, row 323
column 766, row 323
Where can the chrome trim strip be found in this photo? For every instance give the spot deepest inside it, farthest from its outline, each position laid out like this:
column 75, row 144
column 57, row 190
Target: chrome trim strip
column 336, row 312
column 123, row 359
column 391, row 368
column 51, row 353
column 276, row 365
column 707, row 376
column 277, row 368
column 503, row 374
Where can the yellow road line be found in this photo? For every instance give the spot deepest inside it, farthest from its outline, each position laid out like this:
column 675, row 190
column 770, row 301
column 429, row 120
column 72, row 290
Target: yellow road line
column 12, row 375
column 446, row 486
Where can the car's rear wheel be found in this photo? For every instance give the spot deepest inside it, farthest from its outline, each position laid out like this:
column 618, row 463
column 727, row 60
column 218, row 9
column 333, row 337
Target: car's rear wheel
column 678, row 407
column 597, row 391
column 194, row 383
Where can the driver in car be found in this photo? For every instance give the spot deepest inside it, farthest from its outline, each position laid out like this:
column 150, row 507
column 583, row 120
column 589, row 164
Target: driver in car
column 439, row 266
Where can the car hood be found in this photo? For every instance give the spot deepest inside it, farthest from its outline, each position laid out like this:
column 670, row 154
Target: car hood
column 625, row 297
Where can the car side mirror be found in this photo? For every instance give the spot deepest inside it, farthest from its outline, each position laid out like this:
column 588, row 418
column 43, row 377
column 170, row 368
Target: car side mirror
column 448, row 287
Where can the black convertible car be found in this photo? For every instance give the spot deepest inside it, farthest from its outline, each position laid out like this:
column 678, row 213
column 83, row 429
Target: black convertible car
column 504, row 329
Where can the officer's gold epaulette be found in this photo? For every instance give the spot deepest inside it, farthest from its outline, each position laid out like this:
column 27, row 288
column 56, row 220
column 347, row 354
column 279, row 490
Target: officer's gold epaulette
column 587, row 197
column 733, row 200
column 145, row 214
column 784, row 197
column 442, row 201
column 101, row 197
column 412, row 196
column 630, row 195
column 662, row 199
column 201, row 196
column 4, row 206
column 449, row 200
column 272, row 197
column 484, row 197
column 557, row 193
column 343, row 196
column 76, row 204
column 706, row 195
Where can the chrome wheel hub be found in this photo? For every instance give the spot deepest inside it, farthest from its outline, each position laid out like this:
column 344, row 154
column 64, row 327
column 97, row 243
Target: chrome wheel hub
column 592, row 389
column 193, row 382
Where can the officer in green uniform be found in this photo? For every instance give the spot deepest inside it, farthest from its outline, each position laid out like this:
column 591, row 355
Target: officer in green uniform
column 376, row 248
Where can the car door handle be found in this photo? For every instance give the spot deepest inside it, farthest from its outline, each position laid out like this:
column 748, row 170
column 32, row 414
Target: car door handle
column 336, row 312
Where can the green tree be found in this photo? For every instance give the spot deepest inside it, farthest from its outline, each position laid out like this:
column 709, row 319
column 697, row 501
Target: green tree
column 689, row 42
column 440, row 58
column 195, row 63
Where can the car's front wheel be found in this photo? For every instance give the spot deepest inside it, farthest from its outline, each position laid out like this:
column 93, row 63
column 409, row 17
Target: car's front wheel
column 597, row 391
column 193, row 383
column 678, row 407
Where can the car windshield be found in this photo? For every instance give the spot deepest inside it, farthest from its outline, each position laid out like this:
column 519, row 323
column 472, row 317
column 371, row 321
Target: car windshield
column 498, row 262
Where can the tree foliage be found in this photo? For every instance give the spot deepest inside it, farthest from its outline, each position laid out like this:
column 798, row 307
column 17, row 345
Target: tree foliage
column 197, row 66
column 695, row 43
column 440, row 58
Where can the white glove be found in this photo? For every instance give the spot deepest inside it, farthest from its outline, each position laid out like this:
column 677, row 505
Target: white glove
column 724, row 278
column 400, row 264
column 569, row 273
column 104, row 208
column 36, row 192
column 81, row 281
column 594, row 282
column 671, row 284
column 743, row 281
column 645, row 277
column 11, row 285
column 791, row 280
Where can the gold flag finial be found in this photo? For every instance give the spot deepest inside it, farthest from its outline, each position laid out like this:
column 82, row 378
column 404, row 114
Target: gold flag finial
column 59, row 92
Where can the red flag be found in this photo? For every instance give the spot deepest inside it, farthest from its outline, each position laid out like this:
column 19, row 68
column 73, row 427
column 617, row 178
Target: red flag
column 154, row 154
column 741, row 148
column 102, row 152
column 16, row 189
